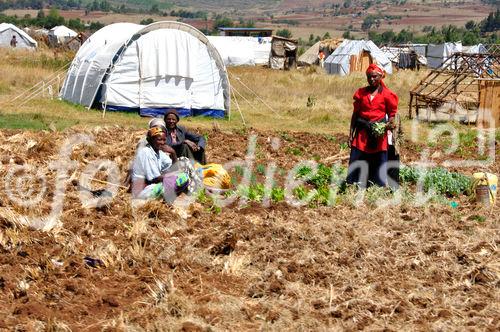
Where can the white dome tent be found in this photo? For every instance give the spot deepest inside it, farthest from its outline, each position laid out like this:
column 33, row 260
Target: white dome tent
column 149, row 69
column 356, row 56
column 60, row 34
column 24, row 41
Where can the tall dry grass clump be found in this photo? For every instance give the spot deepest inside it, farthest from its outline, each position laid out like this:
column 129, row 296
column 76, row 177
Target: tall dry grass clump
column 307, row 99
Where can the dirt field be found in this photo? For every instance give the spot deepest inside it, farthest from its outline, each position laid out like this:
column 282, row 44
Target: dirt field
column 244, row 267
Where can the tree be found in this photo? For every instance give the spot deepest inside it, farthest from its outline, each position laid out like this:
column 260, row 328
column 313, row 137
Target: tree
column 53, row 19
column 388, row 36
column 491, row 23
column 347, row 34
column 105, row 6
column 368, row 22
column 40, row 14
column 470, row 38
column 146, row 21
column 284, row 33
column 154, row 9
column 76, row 24
column 94, row 26
column 326, row 35
column 223, row 21
column 470, row 25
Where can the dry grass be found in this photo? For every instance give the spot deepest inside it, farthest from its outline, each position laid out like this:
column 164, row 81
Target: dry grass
column 243, row 268
column 269, row 100
column 246, row 267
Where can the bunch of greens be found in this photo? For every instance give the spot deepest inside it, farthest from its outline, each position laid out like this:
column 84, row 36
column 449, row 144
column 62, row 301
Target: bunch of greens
column 438, row 179
column 378, row 128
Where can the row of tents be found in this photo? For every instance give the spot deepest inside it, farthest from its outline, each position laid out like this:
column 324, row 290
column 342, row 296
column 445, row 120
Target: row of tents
column 25, row 38
column 149, row 69
column 345, row 56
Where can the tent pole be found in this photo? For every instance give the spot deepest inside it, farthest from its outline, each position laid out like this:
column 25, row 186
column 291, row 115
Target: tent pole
column 105, row 106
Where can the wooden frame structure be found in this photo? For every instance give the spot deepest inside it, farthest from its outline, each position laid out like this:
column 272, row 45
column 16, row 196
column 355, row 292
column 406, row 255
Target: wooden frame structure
column 455, row 83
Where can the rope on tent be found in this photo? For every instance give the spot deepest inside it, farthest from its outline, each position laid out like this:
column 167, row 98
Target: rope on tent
column 238, row 107
column 37, row 86
column 249, row 103
column 255, row 94
column 38, row 91
column 255, row 109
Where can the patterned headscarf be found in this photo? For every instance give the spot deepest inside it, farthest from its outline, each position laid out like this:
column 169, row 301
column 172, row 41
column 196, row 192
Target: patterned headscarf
column 155, row 131
column 157, row 122
column 374, row 68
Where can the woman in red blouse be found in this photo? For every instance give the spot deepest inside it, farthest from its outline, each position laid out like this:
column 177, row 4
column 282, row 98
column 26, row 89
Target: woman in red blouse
column 373, row 103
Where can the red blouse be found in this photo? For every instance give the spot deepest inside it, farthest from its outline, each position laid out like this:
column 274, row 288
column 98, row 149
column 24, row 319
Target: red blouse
column 384, row 102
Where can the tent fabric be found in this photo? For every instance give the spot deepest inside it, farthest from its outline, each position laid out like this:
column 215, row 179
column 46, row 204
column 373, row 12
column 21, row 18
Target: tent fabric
column 400, row 55
column 24, row 41
column 339, row 62
column 181, row 60
column 62, row 31
column 438, row 54
column 242, row 51
column 475, row 49
column 310, row 57
column 147, row 69
column 283, row 53
column 60, row 35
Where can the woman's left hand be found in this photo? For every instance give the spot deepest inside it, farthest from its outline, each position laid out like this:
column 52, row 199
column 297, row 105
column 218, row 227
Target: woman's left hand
column 391, row 124
column 192, row 145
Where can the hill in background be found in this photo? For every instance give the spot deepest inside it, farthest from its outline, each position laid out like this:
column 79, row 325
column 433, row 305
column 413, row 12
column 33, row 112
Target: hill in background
column 302, row 18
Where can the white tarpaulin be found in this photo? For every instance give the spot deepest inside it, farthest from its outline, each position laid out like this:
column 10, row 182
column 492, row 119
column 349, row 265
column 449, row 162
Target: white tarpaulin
column 239, row 51
column 474, row 49
column 7, row 31
column 157, row 58
column 127, row 66
column 61, row 34
column 438, row 54
column 339, row 61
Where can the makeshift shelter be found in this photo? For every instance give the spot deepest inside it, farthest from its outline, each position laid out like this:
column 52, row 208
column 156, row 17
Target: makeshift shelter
column 438, row 54
column 41, row 32
column 60, row 35
column 463, row 84
column 149, row 69
column 76, row 42
column 283, row 53
column 404, row 57
column 310, row 57
column 356, row 56
column 239, row 51
column 24, row 41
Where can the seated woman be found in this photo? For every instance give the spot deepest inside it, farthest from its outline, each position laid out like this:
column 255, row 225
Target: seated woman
column 150, row 171
column 185, row 143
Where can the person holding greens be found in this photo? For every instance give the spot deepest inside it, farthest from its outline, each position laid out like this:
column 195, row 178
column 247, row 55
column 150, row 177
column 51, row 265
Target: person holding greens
column 375, row 107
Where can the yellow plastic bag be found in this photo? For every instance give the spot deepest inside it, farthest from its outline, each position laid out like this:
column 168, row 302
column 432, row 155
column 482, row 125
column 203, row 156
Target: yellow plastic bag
column 215, row 176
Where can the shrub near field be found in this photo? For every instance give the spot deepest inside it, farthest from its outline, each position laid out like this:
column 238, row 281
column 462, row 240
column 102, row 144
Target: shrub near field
column 246, row 266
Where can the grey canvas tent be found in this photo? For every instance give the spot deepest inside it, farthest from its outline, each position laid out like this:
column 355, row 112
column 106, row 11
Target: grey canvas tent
column 356, row 56
column 24, row 41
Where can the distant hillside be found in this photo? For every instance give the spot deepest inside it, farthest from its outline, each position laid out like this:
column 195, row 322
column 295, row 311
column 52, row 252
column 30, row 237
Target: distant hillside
column 209, row 5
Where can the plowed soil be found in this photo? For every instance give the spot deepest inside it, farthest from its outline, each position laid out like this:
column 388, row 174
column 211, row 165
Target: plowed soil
column 243, row 267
